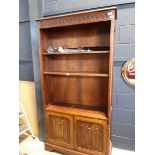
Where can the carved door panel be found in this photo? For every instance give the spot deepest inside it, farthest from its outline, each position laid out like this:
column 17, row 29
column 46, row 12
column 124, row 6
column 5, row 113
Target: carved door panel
column 59, row 129
column 90, row 135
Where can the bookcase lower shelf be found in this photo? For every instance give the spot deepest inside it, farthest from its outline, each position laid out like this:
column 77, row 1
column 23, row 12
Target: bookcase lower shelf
column 77, row 110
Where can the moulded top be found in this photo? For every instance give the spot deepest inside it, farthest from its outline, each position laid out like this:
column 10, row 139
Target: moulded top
column 76, row 18
column 79, row 12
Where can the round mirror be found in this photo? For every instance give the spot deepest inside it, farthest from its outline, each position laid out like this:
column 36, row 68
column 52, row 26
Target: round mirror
column 128, row 71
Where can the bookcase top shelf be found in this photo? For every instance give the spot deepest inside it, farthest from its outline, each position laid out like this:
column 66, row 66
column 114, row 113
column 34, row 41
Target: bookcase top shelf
column 92, row 52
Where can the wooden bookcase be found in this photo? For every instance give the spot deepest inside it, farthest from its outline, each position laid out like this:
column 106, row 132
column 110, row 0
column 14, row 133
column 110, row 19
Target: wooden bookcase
column 77, row 86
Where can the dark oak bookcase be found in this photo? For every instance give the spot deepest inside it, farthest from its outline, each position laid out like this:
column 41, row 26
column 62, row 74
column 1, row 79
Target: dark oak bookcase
column 77, row 86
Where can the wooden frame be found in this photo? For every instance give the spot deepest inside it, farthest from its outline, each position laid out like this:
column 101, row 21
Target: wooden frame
column 77, row 86
column 91, row 140
column 56, row 131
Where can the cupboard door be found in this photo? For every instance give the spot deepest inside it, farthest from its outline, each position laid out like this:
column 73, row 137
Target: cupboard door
column 59, row 129
column 90, row 135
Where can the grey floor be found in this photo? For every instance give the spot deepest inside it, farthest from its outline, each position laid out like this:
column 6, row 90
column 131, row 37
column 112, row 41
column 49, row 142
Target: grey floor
column 36, row 147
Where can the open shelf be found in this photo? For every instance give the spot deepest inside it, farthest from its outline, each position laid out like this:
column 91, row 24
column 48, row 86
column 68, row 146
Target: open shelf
column 86, row 111
column 90, row 64
column 92, row 52
column 76, row 74
column 82, row 90
column 75, row 36
column 77, row 106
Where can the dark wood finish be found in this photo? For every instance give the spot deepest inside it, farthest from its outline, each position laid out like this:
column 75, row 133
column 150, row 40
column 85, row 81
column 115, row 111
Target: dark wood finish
column 59, row 129
column 90, row 91
column 86, row 63
column 88, row 133
column 77, row 86
column 87, row 36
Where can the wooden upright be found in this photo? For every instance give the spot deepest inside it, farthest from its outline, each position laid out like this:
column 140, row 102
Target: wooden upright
column 77, row 86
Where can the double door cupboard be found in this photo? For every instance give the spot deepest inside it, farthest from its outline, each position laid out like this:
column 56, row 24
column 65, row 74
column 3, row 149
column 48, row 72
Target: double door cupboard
column 77, row 83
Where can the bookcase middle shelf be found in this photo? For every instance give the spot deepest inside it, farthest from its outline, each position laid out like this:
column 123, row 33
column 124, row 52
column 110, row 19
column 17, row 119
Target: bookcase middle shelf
column 76, row 74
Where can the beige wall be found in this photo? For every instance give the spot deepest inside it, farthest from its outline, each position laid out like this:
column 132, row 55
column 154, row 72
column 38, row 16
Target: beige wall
column 28, row 100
